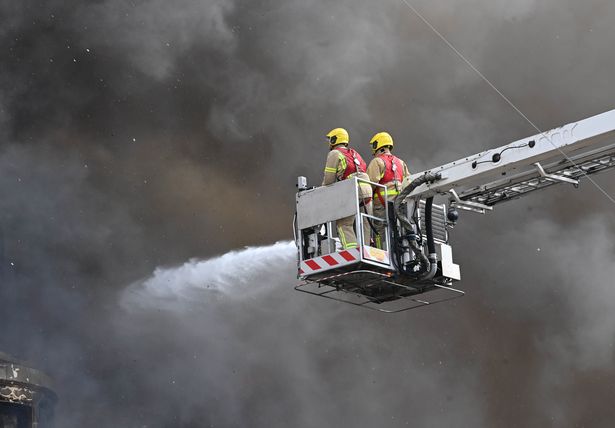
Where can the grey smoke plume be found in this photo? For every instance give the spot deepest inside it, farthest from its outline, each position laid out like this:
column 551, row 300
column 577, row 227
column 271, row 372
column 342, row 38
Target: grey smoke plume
column 135, row 136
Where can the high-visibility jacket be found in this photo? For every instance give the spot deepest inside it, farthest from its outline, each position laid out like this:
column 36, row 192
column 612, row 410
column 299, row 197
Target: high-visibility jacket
column 343, row 163
column 389, row 170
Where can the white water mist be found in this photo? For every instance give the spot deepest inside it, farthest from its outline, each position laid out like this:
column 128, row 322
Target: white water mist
column 236, row 274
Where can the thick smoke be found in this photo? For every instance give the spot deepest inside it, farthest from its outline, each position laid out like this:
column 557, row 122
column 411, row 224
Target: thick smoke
column 135, row 136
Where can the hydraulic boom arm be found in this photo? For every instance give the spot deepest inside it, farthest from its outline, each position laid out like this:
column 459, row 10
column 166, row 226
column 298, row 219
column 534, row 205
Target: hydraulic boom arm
column 561, row 155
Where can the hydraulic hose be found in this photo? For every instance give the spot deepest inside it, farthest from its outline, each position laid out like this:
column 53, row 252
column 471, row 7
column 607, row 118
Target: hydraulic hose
column 428, row 177
column 430, row 263
column 431, row 246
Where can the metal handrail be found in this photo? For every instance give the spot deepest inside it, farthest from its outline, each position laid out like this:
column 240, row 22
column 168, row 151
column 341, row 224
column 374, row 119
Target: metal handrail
column 360, row 217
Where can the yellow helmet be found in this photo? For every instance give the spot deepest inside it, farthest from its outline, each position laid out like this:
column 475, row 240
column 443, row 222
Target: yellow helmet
column 337, row 136
column 380, row 140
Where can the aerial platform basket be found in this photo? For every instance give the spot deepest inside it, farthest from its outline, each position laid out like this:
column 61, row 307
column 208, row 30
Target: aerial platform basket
column 364, row 276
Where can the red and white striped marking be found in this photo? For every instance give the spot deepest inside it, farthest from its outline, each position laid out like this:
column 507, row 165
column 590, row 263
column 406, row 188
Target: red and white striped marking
column 329, row 261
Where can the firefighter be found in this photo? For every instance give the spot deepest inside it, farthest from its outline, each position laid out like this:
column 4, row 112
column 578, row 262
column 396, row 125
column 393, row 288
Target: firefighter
column 387, row 169
column 344, row 163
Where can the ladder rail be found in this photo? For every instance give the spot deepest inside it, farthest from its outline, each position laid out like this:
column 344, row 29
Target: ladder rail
column 513, row 187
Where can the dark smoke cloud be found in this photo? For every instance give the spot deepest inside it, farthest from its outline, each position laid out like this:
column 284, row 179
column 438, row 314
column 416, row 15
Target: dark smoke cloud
column 140, row 134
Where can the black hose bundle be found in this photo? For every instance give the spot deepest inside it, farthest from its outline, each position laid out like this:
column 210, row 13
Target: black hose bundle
column 431, row 247
column 429, row 265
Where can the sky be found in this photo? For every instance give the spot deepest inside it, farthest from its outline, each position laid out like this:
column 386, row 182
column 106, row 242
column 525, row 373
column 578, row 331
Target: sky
column 142, row 140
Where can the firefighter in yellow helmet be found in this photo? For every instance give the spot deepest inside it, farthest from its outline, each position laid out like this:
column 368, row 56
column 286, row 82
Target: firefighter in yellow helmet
column 387, row 169
column 343, row 163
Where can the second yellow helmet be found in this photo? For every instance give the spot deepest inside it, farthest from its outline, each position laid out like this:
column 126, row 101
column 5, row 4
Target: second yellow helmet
column 381, row 140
